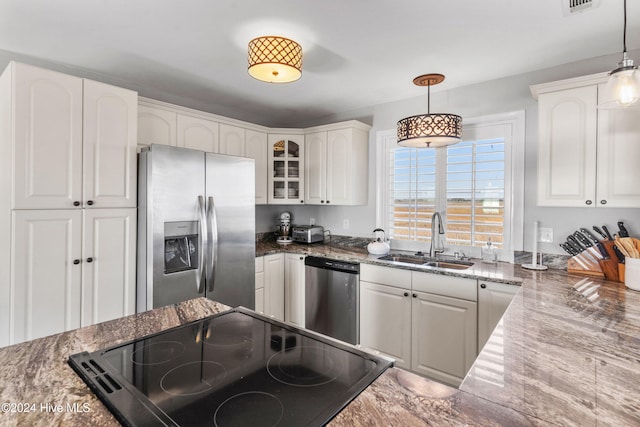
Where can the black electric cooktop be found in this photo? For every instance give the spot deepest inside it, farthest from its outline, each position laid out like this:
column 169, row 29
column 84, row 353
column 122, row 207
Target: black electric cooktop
column 232, row 369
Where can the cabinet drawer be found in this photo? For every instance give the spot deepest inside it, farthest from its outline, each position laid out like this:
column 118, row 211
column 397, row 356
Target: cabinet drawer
column 455, row 287
column 385, row 275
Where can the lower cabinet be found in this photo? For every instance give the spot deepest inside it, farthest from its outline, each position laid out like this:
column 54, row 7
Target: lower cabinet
column 274, row 286
column 294, row 289
column 70, row 268
column 427, row 322
column 260, row 285
column 493, row 300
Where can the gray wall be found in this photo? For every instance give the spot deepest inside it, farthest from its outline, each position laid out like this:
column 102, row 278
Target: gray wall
column 498, row 96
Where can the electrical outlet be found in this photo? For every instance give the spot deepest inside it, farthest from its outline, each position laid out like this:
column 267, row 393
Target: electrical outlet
column 312, row 221
column 345, row 224
column 545, row 235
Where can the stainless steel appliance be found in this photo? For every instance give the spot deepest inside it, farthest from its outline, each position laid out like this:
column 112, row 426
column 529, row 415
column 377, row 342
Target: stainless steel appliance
column 307, row 233
column 196, row 227
column 284, row 229
column 332, row 298
column 236, row 368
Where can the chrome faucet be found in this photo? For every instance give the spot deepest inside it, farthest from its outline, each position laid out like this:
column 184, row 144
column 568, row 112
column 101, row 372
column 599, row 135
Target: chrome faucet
column 440, row 247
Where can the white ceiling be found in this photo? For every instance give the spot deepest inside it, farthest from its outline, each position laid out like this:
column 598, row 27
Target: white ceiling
column 357, row 53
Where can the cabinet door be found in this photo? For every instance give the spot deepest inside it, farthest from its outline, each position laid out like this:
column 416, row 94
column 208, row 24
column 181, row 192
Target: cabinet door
column 108, row 264
column 109, row 146
column 256, row 148
column 47, row 138
column 567, row 147
column 274, row 286
column 197, row 133
column 260, row 284
column 46, row 266
column 444, row 337
column 156, row 126
column 232, row 140
column 315, row 168
column 493, row 300
column 618, row 154
column 286, row 169
column 294, row 289
column 385, row 321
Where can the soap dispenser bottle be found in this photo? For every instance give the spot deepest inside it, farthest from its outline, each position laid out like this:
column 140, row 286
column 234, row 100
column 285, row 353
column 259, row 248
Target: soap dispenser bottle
column 489, row 253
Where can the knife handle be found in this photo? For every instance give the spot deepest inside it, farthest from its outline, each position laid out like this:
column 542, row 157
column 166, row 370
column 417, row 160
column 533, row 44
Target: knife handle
column 606, row 230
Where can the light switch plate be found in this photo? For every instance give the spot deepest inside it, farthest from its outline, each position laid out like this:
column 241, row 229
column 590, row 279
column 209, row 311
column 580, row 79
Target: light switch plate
column 545, row 235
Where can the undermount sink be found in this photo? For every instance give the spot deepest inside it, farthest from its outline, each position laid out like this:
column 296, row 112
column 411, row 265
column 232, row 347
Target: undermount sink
column 427, row 262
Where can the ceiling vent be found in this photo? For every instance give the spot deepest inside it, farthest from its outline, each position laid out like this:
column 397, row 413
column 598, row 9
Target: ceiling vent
column 571, row 7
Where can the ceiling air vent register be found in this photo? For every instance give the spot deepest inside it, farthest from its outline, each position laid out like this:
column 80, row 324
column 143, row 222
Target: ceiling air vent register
column 571, row 7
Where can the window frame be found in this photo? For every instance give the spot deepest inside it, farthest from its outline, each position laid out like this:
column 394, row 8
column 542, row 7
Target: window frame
column 514, row 187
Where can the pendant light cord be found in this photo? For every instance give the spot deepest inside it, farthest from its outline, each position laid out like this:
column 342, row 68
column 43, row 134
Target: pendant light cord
column 624, row 31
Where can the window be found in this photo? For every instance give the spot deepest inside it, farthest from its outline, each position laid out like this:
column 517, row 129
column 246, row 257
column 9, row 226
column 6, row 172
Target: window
column 470, row 183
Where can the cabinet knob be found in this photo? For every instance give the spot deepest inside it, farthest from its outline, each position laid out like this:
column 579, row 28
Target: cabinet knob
column 89, row 259
column 90, row 202
column 328, row 202
column 406, row 294
column 321, row 201
column 588, row 202
column 415, row 295
column 603, row 202
column 76, row 203
column 301, row 201
column 483, row 286
column 301, row 257
column 76, row 261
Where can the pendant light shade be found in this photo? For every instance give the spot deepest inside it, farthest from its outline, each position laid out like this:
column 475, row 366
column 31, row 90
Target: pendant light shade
column 623, row 87
column 429, row 130
column 275, row 59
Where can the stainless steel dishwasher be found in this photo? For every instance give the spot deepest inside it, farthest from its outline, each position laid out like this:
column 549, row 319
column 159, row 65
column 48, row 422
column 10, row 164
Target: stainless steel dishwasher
column 332, row 298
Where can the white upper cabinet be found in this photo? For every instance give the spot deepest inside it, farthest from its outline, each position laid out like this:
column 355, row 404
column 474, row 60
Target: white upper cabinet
column 336, row 164
column 232, row 140
column 286, row 169
column 197, row 133
column 74, row 142
column 156, row 126
column 585, row 154
column 47, row 137
column 256, row 147
column 109, row 146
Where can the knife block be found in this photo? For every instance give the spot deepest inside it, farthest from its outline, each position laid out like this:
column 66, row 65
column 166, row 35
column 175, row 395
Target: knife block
column 574, row 266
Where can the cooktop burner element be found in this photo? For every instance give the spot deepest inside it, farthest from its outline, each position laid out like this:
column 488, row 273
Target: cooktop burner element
column 236, row 368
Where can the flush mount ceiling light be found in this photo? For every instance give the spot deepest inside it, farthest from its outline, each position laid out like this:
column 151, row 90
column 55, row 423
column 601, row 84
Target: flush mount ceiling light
column 429, row 130
column 275, row 59
column 623, row 87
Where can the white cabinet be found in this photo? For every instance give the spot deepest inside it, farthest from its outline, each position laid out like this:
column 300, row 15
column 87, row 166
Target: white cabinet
column 232, row 140
column 585, row 154
column 108, row 264
column 71, row 268
column 156, row 126
column 286, row 169
column 197, row 133
column 385, row 321
column 259, row 284
column 67, row 196
column 274, row 286
column 294, row 289
column 427, row 322
column 256, row 148
column 336, row 166
column 74, row 140
column 493, row 300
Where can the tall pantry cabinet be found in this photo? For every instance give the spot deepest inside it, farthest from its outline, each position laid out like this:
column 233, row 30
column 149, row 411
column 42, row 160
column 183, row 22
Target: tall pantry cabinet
column 67, row 202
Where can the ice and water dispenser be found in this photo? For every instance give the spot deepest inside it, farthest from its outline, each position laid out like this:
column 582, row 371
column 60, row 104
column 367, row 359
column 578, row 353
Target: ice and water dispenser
column 180, row 246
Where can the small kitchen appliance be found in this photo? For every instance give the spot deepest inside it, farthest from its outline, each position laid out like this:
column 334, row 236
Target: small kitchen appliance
column 284, row 229
column 235, row 368
column 307, row 233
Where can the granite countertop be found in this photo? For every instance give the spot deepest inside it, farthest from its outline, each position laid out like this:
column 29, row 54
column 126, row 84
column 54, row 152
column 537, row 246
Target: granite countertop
column 565, row 353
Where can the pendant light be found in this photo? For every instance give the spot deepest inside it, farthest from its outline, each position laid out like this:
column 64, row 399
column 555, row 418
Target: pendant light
column 623, row 87
column 275, row 59
column 429, row 130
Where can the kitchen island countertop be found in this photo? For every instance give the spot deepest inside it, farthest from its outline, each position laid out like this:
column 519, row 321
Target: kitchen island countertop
column 565, row 353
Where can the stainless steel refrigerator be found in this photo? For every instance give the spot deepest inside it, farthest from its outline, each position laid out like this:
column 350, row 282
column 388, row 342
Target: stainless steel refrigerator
column 196, row 227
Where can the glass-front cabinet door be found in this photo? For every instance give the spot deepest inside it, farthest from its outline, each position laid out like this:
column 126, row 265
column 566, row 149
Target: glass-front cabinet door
column 286, row 169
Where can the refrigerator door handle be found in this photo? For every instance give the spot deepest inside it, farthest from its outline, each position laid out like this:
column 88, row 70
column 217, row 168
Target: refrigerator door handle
column 212, row 223
column 202, row 244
